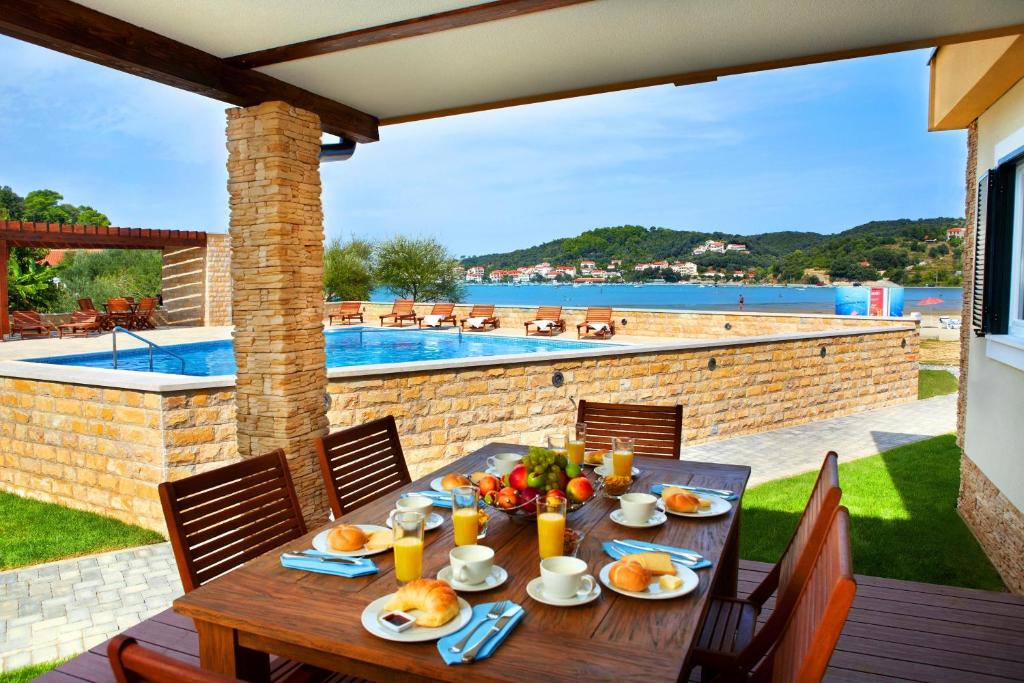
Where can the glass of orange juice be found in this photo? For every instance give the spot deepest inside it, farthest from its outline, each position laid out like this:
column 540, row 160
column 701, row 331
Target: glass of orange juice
column 464, row 515
column 408, row 528
column 550, row 526
column 577, row 443
column 622, row 456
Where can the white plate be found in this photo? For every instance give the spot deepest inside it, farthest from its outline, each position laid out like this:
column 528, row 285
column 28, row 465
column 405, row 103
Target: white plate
column 535, row 589
column 602, row 471
column 416, row 634
column 719, row 506
column 497, row 577
column 657, row 519
column 320, row 542
column 654, row 591
column 433, row 521
column 435, row 484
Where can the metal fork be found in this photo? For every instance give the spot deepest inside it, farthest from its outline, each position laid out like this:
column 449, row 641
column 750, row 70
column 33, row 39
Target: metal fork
column 496, row 611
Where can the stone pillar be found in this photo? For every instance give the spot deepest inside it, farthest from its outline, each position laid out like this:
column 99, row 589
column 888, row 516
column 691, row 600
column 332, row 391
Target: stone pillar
column 277, row 306
column 217, row 308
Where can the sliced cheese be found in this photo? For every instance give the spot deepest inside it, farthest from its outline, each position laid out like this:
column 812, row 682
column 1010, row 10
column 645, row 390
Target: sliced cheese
column 656, row 563
column 669, row 582
column 705, row 503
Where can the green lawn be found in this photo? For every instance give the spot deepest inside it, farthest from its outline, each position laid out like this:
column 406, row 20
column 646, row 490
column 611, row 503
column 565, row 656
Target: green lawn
column 935, row 383
column 903, row 518
column 32, row 532
column 27, row 673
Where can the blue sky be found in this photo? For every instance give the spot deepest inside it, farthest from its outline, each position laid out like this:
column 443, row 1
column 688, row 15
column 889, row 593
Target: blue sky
column 823, row 148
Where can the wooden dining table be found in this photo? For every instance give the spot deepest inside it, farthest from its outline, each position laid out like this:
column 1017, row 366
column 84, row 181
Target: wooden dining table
column 264, row 608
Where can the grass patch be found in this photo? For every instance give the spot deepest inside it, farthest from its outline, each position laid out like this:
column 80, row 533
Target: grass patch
column 32, row 532
column 28, row 673
column 935, row 383
column 903, row 518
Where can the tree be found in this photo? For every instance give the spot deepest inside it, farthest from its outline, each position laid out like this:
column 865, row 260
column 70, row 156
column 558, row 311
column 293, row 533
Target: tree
column 101, row 275
column 419, row 269
column 348, row 271
column 43, row 206
column 31, row 284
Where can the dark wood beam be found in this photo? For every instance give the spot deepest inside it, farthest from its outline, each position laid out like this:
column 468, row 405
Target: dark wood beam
column 407, row 28
column 71, row 236
column 76, row 30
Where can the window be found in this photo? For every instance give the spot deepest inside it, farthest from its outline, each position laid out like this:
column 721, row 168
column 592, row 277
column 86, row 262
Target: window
column 999, row 312
column 1016, row 323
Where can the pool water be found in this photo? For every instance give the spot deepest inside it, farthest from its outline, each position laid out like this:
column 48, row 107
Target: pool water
column 348, row 347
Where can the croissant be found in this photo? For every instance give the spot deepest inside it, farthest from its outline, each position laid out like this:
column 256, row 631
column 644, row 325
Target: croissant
column 435, row 600
column 630, row 576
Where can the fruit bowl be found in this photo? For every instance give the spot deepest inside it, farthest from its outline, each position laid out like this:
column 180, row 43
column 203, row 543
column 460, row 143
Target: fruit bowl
column 527, row 512
column 541, row 473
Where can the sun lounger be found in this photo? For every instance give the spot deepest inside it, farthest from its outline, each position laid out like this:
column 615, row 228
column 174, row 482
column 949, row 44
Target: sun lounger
column 480, row 316
column 440, row 313
column 82, row 323
column 401, row 311
column 598, row 323
column 349, row 311
column 547, row 320
column 29, row 324
column 86, row 306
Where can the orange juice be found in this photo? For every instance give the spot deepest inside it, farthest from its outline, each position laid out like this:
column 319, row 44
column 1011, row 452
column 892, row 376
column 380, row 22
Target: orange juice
column 408, row 558
column 574, row 451
column 465, row 521
column 550, row 533
column 622, row 463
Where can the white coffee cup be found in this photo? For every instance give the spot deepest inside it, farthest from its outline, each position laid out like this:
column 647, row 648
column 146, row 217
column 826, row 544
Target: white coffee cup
column 502, row 463
column 565, row 577
column 414, row 503
column 637, row 508
column 471, row 563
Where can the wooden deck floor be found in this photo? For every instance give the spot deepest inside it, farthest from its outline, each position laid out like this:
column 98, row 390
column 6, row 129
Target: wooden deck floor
column 897, row 630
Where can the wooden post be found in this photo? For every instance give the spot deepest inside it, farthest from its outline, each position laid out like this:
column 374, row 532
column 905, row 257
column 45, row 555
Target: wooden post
column 5, row 325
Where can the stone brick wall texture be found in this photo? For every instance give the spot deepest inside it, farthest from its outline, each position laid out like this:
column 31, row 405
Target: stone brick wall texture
column 183, row 278
column 217, row 309
column 277, row 241
column 995, row 521
column 966, row 329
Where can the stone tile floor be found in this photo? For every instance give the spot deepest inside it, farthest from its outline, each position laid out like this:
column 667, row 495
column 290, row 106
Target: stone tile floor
column 62, row 608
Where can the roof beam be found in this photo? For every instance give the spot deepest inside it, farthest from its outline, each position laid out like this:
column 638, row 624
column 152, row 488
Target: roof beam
column 407, row 28
column 82, row 32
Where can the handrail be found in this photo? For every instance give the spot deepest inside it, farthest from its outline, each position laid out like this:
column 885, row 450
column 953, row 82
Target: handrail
column 151, row 345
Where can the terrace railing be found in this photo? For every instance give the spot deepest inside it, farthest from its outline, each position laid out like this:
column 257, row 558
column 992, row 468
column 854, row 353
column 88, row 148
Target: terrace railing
column 148, row 343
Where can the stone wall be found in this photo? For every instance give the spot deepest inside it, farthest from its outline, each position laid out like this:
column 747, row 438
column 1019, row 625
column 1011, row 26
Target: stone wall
column 995, row 521
column 183, row 285
column 217, row 308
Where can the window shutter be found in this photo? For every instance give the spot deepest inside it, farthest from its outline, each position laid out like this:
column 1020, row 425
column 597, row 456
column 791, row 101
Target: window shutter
column 978, row 289
column 993, row 262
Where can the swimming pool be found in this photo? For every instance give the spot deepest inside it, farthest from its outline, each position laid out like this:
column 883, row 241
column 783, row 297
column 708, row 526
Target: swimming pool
column 348, row 347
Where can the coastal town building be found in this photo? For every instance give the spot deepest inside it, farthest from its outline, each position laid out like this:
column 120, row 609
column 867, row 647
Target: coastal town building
column 475, row 274
column 954, row 233
column 741, row 248
column 684, row 268
column 587, row 266
column 710, row 246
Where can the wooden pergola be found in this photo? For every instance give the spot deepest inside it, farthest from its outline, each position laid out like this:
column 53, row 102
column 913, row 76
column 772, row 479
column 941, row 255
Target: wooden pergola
column 62, row 236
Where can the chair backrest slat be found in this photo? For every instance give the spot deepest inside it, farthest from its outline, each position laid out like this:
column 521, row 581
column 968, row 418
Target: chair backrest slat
column 657, row 430
column 350, row 306
column 26, row 318
column 147, row 304
column 86, row 304
column 549, row 313
column 599, row 314
column 83, row 316
column 133, row 663
column 118, row 305
column 402, row 306
column 481, row 311
column 444, row 309
column 361, row 463
column 221, row 519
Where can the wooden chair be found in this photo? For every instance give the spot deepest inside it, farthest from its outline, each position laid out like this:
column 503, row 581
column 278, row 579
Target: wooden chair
column 349, row 311
column 119, row 312
column 133, row 663
column 401, row 311
column 552, row 314
column 446, row 311
column 728, row 631
column 29, row 324
column 597, row 315
column 485, row 311
column 657, row 430
column 85, row 305
column 142, row 319
column 221, row 519
column 81, row 324
column 362, row 463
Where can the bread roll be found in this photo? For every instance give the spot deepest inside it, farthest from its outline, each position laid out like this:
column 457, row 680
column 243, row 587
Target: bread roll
column 684, row 501
column 344, row 538
column 629, row 576
column 434, row 600
column 452, row 480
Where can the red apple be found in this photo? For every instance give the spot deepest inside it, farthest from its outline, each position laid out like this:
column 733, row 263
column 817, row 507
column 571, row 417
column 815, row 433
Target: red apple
column 488, row 484
column 528, row 499
column 517, row 477
column 507, row 498
column 579, row 489
column 555, row 494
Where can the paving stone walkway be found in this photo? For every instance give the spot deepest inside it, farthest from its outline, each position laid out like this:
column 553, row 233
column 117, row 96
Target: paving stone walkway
column 785, row 452
column 62, row 608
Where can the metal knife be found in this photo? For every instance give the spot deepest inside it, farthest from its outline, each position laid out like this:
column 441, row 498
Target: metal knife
column 470, row 654
column 689, row 557
column 698, row 489
column 319, row 558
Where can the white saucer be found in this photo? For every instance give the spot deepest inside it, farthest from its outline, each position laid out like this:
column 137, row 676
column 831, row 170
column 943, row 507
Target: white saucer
column 416, row 634
column 535, row 589
column 657, row 519
column 602, row 471
column 433, row 521
column 320, row 542
column 497, row 577
column 719, row 506
column 654, row 591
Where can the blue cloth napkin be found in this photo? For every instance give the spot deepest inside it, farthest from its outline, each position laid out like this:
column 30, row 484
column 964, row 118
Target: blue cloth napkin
column 440, row 500
column 657, row 488
column 616, row 551
column 479, row 616
column 365, row 566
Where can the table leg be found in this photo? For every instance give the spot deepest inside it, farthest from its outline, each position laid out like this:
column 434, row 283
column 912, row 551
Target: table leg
column 220, row 652
column 727, row 581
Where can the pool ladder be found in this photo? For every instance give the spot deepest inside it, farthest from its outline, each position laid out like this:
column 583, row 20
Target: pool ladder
column 151, row 345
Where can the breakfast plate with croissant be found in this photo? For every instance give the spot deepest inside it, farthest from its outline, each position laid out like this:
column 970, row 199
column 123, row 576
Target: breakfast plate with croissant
column 684, row 503
column 354, row 540
column 649, row 576
column 435, row 606
column 449, row 481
